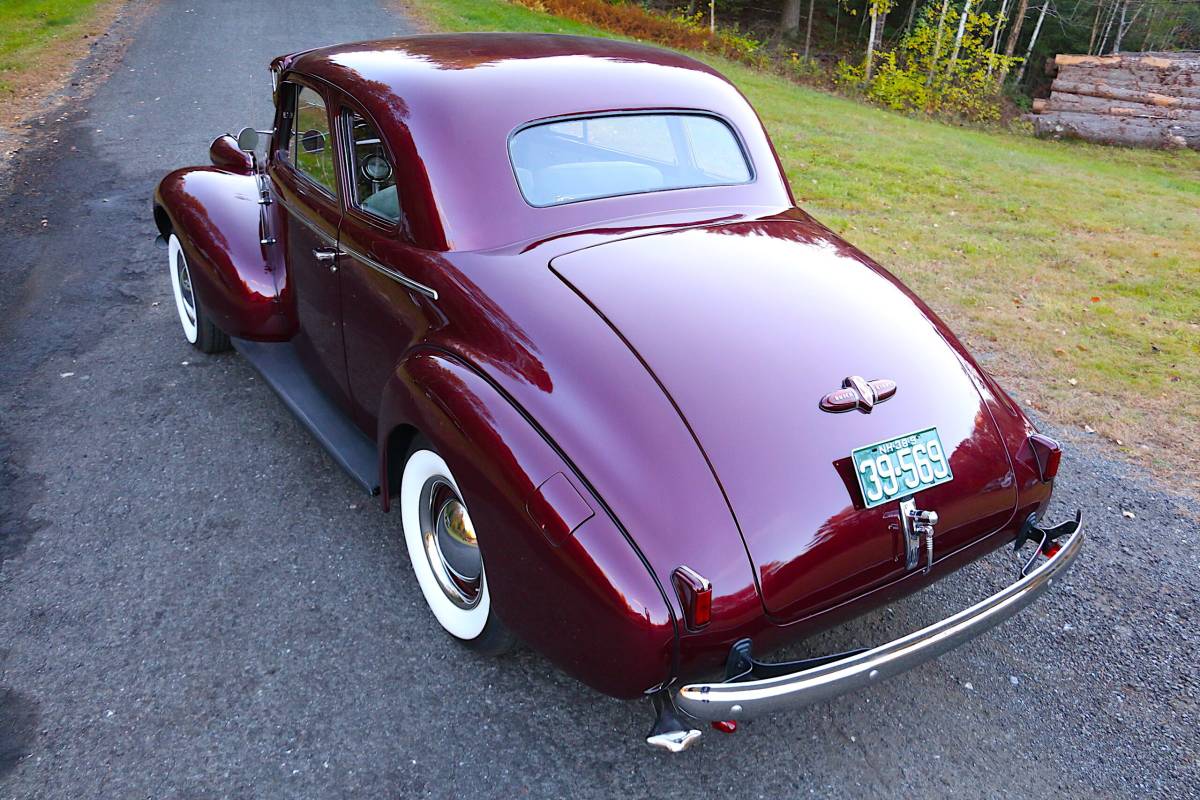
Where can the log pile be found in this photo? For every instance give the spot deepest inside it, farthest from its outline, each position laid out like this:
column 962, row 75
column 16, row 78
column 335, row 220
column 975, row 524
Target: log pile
column 1134, row 99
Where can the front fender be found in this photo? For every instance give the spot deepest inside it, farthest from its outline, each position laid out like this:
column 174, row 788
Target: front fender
column 589, row 602
column 240, row 281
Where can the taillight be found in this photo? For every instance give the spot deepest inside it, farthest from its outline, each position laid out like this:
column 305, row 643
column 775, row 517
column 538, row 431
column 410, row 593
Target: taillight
column 695, row 594
column 1048, row 455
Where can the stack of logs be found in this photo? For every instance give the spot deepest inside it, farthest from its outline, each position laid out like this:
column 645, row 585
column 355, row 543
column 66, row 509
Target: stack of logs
column 1136, row 99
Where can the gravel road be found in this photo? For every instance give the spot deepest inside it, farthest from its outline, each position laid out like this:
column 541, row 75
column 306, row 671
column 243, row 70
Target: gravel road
column 195, row 602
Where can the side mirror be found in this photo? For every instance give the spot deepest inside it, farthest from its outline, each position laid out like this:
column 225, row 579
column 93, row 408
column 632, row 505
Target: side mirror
column 225, row 153
column 313, row 142
column 247, row 139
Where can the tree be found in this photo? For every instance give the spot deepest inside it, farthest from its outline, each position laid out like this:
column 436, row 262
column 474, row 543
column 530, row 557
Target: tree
column 937, row 48
column 808, row 30
column 1014, row 34
column 878, row 8
column 790, row 22
column 1000, row 18
column 1032, row 41
column 958, row 37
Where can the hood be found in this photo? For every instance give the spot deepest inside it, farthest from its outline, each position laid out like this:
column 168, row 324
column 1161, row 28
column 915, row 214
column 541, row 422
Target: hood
column 746, row 327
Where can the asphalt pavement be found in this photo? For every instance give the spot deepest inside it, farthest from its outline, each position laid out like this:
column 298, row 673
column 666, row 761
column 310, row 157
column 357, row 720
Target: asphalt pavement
column 195, row 602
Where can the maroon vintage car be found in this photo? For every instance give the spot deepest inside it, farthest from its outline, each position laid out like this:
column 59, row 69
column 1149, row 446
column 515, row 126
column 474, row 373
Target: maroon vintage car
column 562, row 282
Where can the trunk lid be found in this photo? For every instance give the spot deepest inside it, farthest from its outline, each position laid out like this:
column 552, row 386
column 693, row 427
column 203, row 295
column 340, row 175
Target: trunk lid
column 746, row 327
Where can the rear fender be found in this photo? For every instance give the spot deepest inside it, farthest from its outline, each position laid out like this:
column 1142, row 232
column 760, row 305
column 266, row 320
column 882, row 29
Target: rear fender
column 241, row 282
column 589, row 602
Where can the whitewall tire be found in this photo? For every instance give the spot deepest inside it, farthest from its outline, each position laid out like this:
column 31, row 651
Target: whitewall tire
column 444, row 552
column 198, row 328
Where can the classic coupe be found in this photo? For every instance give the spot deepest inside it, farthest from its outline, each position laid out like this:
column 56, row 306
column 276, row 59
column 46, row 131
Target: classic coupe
column 552, row 299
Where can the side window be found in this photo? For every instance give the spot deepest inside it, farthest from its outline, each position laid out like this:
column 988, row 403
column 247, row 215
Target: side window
column 374, row 178
column 312, row 144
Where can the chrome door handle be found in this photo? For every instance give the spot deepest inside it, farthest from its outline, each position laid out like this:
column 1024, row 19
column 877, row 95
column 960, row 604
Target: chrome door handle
column 327, row 255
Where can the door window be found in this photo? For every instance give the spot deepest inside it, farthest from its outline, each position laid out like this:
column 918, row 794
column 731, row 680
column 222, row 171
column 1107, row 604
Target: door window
column 312, row 142
column 374, row 178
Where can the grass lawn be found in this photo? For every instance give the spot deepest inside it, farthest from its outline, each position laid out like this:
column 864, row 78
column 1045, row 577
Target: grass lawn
column 39, row 42
column 1072, row 270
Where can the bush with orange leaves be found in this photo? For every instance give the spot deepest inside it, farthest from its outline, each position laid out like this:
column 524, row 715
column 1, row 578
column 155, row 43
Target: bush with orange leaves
column 669, row 30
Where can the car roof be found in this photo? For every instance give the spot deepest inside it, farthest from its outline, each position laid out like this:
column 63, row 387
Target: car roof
column 510, row 64
column 454, row 99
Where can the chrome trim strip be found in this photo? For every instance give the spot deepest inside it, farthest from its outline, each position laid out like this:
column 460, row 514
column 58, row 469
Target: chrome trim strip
column 722, row 701
column 387, row 271
column 382, row 269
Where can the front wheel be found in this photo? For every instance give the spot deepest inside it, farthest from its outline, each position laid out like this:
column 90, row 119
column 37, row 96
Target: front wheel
column 198, row 328
column 444, row 550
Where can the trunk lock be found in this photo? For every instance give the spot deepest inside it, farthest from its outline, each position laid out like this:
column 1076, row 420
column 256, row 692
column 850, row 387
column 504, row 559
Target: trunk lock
column 917, row 525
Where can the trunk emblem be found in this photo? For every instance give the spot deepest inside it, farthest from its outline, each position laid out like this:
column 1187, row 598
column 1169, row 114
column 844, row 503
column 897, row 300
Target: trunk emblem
column 856, row 392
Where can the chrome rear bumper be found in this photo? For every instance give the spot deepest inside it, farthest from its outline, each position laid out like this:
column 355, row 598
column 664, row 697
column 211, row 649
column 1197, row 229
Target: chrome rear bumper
column 746, row 699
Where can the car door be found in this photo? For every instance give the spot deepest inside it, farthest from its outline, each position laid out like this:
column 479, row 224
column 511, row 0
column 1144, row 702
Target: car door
column 384, row 304
column 304, row 174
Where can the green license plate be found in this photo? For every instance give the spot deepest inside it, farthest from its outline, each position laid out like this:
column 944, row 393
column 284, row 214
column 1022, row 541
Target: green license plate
column 901, row 466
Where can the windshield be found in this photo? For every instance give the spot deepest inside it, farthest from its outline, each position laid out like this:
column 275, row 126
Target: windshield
column 585, row 158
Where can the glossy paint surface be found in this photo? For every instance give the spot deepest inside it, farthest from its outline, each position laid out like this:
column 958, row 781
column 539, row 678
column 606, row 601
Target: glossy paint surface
column 216, row 213
column 621, row 386
column 683, row 301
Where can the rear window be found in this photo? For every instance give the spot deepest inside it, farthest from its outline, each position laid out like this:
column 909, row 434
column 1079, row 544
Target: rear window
column 616, row 154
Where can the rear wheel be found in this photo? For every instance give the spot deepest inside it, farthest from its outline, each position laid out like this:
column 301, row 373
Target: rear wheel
column 445, row 555
column 198, row 328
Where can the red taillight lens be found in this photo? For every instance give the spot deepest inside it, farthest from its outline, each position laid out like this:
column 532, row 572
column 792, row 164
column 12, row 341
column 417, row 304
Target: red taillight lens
column 1048, row 455
column 695, row 595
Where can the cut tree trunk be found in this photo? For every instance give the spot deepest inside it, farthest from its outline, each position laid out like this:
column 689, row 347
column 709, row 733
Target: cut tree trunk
column 1108, row 129
column 1119, row 108
column 1164, row 61
column 1120, row 93
column 1172, row 81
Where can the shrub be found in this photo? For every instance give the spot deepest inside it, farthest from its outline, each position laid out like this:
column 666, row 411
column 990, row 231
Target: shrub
column 918, row 75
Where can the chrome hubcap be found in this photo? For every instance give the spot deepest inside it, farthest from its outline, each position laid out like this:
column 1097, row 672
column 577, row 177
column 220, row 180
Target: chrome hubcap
column 185, row 288
column 450, row 543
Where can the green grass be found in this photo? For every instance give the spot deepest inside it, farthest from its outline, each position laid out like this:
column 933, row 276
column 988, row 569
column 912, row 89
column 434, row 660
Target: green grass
column 29, row 27
column 1008, row 237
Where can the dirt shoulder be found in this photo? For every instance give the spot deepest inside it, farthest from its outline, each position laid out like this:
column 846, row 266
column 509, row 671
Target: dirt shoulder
column 65, row 67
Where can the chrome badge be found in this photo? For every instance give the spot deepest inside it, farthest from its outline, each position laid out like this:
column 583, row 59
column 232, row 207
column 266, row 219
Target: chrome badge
column 857, row 392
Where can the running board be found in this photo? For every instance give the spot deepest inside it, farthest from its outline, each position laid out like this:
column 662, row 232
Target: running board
column 280, row 367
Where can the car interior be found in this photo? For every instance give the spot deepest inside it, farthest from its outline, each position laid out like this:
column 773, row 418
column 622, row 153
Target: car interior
column 580, row 159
